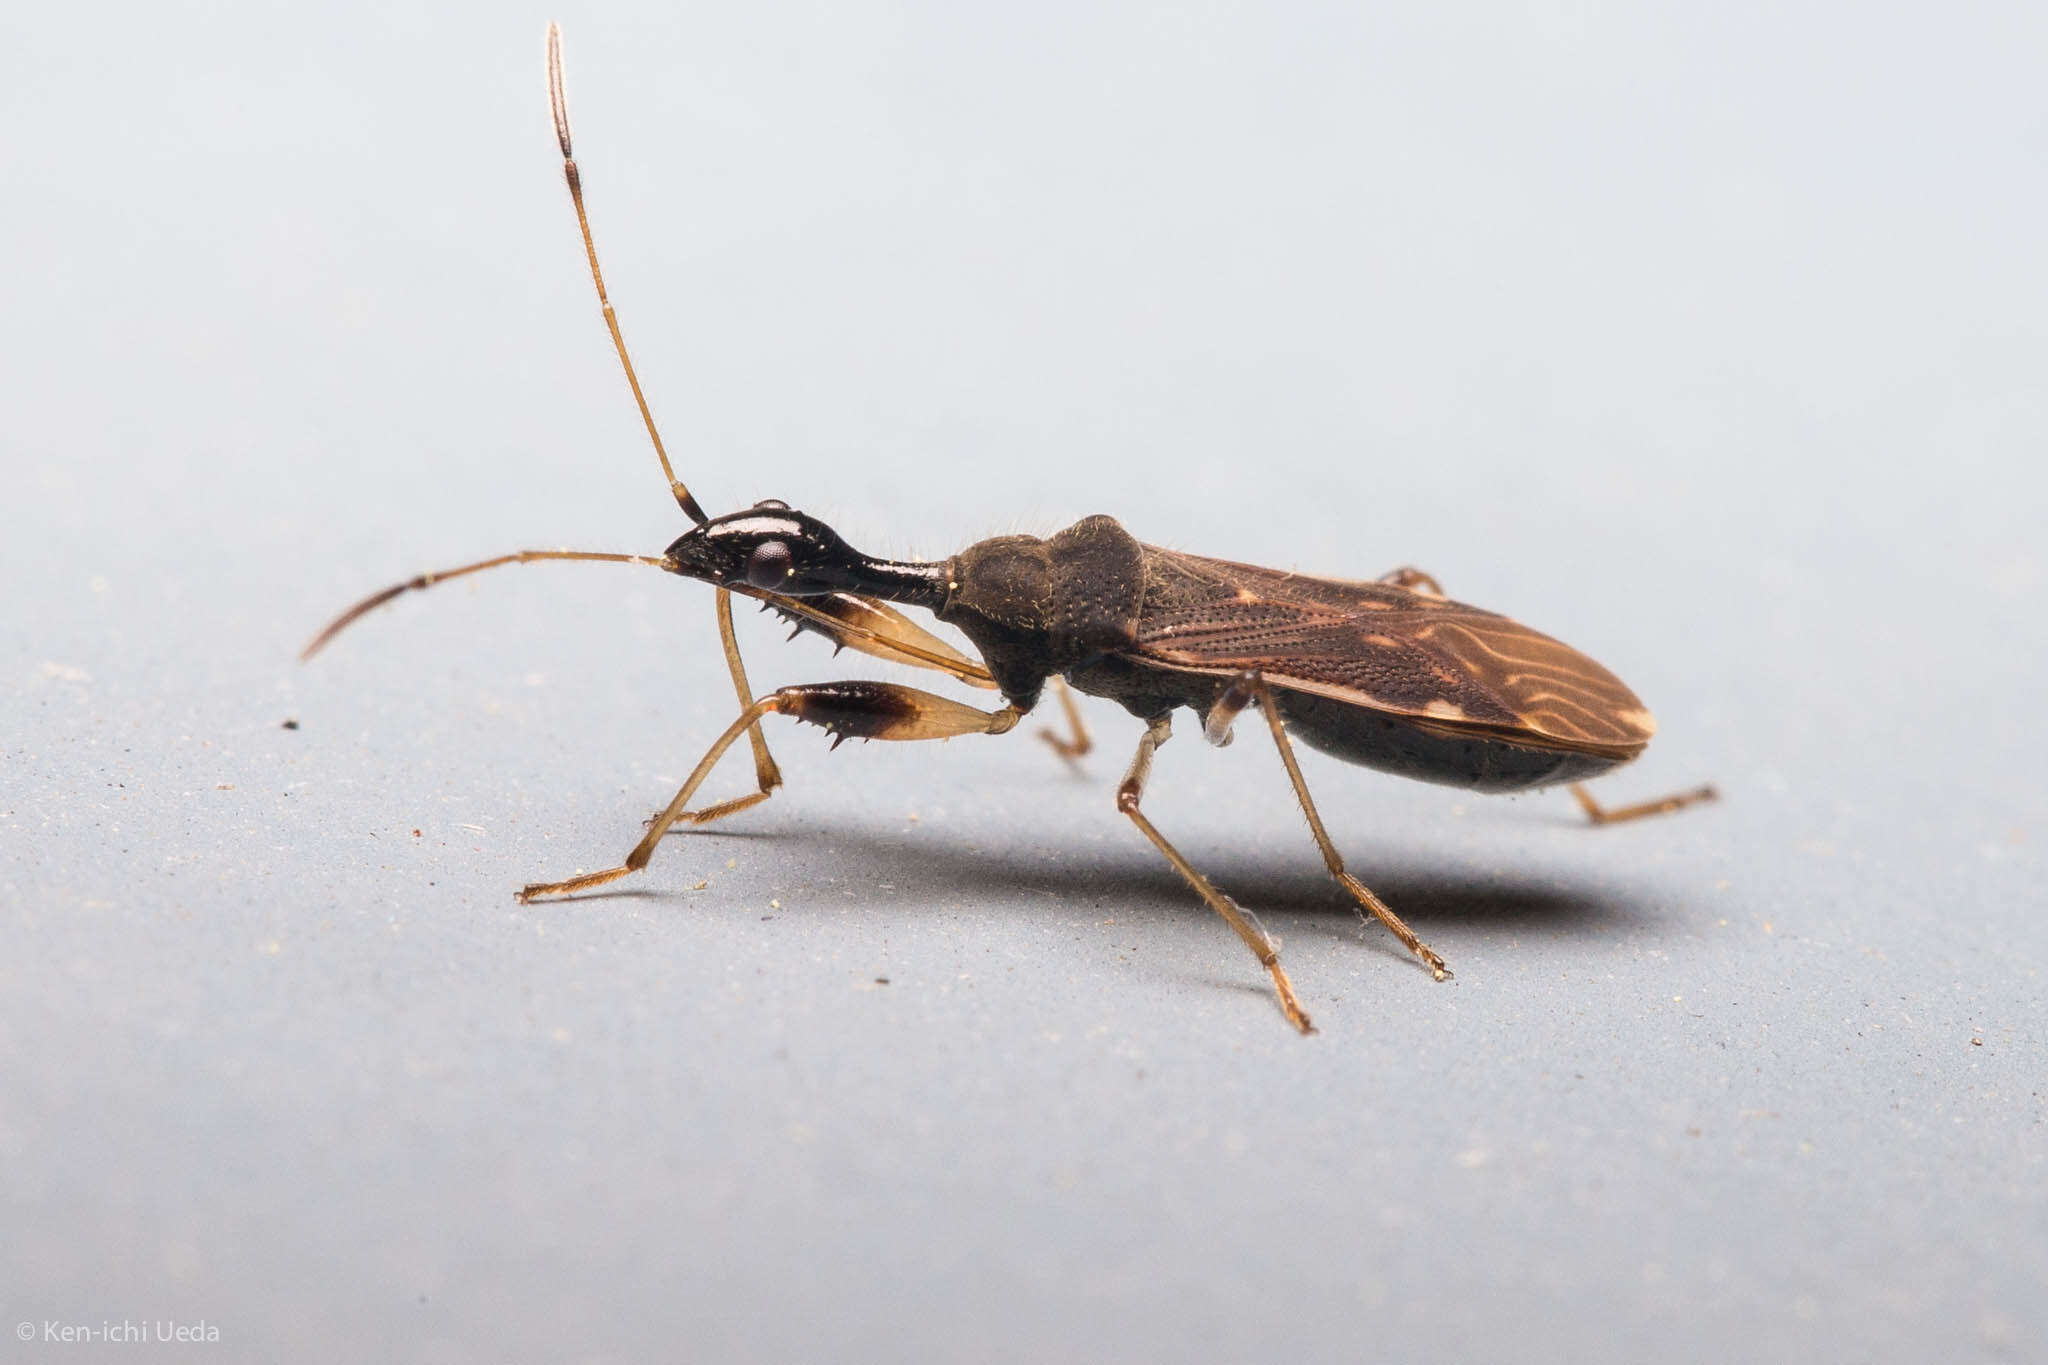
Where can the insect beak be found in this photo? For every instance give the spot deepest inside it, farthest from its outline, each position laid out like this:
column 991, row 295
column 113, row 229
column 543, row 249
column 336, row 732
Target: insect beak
column 693, row 555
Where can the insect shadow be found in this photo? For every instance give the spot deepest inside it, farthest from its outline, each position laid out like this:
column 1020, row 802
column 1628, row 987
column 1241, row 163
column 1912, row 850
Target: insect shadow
column 1117, row 886
column 924, row 872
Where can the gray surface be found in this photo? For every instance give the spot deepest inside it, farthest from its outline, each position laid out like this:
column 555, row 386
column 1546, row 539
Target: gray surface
column 1713, row 346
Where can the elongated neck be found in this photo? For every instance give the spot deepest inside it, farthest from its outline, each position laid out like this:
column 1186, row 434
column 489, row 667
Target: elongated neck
column 912, row 583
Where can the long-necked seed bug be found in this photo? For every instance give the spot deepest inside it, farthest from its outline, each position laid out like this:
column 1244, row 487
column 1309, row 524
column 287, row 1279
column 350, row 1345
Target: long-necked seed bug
column 1388, row 673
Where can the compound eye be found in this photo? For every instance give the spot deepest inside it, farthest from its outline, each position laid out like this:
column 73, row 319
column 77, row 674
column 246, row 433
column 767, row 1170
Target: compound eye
column 768, row 566
column 771, row 505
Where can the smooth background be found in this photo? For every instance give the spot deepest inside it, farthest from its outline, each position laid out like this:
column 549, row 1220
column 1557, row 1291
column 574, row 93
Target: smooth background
column 1707, row 338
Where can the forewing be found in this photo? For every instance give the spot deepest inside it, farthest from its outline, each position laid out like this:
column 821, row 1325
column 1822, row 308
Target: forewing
column 1449, row 665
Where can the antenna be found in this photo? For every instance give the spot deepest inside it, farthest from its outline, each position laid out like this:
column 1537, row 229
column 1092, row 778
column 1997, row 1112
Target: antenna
column 558, row 102
column 428, row 580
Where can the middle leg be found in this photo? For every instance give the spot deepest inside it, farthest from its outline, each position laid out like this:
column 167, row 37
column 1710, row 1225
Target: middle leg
column 1076, row 742
column 1255, row 938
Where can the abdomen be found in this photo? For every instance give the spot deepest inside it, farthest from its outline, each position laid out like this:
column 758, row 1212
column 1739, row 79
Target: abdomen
column 1479, row 760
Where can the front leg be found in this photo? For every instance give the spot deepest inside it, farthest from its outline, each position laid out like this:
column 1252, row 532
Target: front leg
column 849, row 622
column 873, row 627
column 850, row 710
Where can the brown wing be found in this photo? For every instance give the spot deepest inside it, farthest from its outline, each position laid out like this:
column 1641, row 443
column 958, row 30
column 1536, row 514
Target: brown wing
column 1452, row 667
